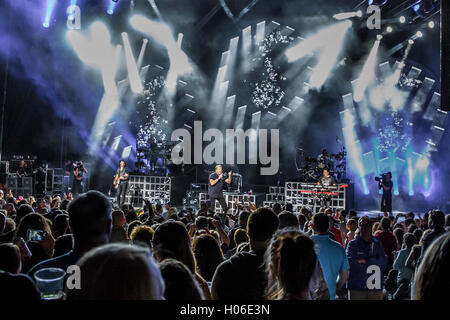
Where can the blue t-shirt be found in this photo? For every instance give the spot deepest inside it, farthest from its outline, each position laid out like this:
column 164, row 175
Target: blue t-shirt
column 332, row 258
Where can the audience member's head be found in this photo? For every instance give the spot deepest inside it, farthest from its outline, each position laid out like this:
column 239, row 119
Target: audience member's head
column 90, row 220
column 243, row 218
column 352, row 225
column 118, row 272
column 31, row 221
column 276, row 208
column 447, row 220
column 22, row 211
column 10, row 258
column 436, row 219
column 208, row 255
column 376, row 227
column 261, row 225
column 240, row 236
column 289, row 207
column 432, row 278
column 180, row 283
column 171, row 240
column 385, row 224
column 2, row 222
column 201, row 222
column 399, row 234
column 409, row 240
column 131, row 227
column 321, row 223
column 142, row 234
column 365, row 227
column 118, row 218
column 63, row 244
column 290, row 260
column 288, row 219
column 60, row 225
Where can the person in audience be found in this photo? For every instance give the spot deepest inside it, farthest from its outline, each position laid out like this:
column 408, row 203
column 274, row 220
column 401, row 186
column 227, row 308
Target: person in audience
column 367, row 259
column 399, row 235
column 10, row 258
column 352, row 225
column 331, row 254
column 208, row 255
column 14, row 286
column 389, row 242
column 60, row 225
column 436, row 222
column 240, row 236
column 130, row 273
column 447, row 222
column 291, row 261
column 302, row 221
column 432, row 279
column 376, row 227
column 131, row 226
column 400, row 257
column 35, row 221
column 288, row 219
column 63, row 245
column 337, row 235
column 90, row 223
column 171, row 240
column 180, row 283
column 242, row 224
column 143, row 234
column 118, row 232
column 242, row 277
column 23, row 210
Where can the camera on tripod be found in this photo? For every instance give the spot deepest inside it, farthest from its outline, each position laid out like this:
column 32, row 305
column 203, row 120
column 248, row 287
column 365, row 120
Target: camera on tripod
column 383, row 177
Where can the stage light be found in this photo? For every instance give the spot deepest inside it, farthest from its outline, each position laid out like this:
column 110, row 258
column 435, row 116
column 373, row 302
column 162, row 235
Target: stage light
column 347, row 15
column 402, row 19
column 377, row 2
column 48, row 13
column 389, row 29
column 424, row 7
column 411, row 41
column 112, row 6
column 419, row 34
column 379, row 37
column 431, row 24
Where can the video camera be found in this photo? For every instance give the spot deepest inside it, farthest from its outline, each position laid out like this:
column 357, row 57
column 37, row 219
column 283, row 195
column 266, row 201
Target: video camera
column 383, row 177
column 79, row 165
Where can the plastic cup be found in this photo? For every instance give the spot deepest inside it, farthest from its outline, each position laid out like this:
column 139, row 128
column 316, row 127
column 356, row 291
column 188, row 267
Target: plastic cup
column 50, row 282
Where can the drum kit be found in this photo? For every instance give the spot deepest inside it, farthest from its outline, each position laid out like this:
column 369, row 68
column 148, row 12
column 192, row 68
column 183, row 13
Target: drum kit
column 312, row 168
column 147, row 157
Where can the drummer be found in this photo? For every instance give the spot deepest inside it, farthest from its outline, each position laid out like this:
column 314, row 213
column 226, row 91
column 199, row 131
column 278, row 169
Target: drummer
column 326, row 180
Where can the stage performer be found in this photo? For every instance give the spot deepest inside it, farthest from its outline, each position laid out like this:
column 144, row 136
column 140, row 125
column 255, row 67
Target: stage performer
column 386, row 198
column 121, row 183
column 215, row 187
column 77, row 185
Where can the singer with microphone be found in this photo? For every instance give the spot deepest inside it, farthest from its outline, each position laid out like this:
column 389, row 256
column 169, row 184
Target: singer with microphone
column 215, row 187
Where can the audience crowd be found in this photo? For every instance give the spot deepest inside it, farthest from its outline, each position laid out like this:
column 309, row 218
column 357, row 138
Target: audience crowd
column 161, row 252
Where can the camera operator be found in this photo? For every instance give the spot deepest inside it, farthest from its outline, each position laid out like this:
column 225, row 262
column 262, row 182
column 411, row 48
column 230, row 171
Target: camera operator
column 77, row 185
column 386, row 200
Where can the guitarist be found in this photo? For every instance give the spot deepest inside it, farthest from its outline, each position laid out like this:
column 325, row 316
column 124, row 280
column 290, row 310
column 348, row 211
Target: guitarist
column 77, row 185
column 121, row 183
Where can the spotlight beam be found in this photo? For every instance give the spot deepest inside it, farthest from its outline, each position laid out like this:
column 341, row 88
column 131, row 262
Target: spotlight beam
column 133, row 73
column 367, row 74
